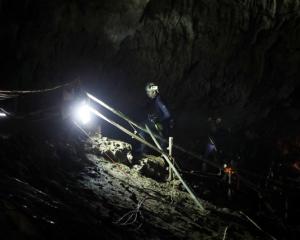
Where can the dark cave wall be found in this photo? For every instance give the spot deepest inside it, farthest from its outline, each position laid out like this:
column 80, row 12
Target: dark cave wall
column 235, row 59
column 53, row 41
column 227, row 56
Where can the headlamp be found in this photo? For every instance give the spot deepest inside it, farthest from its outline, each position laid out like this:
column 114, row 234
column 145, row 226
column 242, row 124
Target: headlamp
column 154, row 88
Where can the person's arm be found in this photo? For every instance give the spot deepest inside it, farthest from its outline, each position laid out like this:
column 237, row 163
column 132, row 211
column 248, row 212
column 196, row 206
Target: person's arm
column 165, row 113
column 166, row 118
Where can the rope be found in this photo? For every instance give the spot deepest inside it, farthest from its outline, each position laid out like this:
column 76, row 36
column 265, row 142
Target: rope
column 3, row 92
column 7, row 96
column 35, row 116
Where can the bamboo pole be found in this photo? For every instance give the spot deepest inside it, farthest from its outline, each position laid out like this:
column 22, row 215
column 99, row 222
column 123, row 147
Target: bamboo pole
column 170, row 149
column 175, row 171
column 151, row 146
column 121, row 115
column 97, row 113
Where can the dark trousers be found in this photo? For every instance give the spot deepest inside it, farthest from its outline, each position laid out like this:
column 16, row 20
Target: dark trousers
column 142, row 149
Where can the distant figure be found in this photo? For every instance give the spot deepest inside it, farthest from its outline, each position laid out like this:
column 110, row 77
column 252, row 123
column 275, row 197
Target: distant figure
column 158, row 118
column 217, row 148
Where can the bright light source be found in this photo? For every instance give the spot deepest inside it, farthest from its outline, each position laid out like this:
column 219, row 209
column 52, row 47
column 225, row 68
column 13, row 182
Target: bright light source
column 2, row 114
column 83, row 113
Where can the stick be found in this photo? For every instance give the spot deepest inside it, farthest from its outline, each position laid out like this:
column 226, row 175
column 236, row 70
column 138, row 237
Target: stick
column 125, row 130
column 256, row 225
column 123, row 116
column 175, row 171
column 225, row 232
column 170, row 148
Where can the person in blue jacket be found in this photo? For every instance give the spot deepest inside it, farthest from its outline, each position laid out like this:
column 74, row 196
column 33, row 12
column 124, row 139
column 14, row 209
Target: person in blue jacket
column 158, row 118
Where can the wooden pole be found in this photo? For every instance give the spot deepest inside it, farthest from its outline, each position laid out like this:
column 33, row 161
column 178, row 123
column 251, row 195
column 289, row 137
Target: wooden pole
column 154, row 148
column 145, row 130
column 175, row 171
column 170, row 148
column 125, row 130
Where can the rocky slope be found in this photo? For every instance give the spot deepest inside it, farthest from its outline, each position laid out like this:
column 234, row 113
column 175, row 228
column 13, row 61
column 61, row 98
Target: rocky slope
column 56, row 187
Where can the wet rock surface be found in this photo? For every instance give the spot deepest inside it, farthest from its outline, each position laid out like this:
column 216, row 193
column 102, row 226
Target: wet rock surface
column 117, row 151
column 153, row 167
column 56, row 188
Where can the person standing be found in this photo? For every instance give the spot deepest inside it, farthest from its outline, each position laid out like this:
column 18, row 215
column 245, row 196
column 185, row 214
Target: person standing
column 158, row 118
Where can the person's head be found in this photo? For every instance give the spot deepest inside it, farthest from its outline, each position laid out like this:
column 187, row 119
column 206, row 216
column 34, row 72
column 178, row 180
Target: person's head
column 151, row 90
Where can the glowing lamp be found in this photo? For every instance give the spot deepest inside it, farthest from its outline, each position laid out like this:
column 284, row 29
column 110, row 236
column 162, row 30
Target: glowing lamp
column 83, row 114
column 2, row 115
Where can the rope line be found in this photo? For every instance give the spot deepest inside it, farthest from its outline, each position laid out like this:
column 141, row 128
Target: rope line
column 3, row 93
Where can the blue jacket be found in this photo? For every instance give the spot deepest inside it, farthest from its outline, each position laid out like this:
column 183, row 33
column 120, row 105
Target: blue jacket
column 158, row 112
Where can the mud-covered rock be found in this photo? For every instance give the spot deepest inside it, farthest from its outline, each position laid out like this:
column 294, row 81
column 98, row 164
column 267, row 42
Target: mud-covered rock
column 114, row 150
column 158, row 209
column 154, row 167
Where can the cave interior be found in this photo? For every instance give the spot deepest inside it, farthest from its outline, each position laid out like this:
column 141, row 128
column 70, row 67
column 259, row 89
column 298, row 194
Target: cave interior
column 228, row 72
